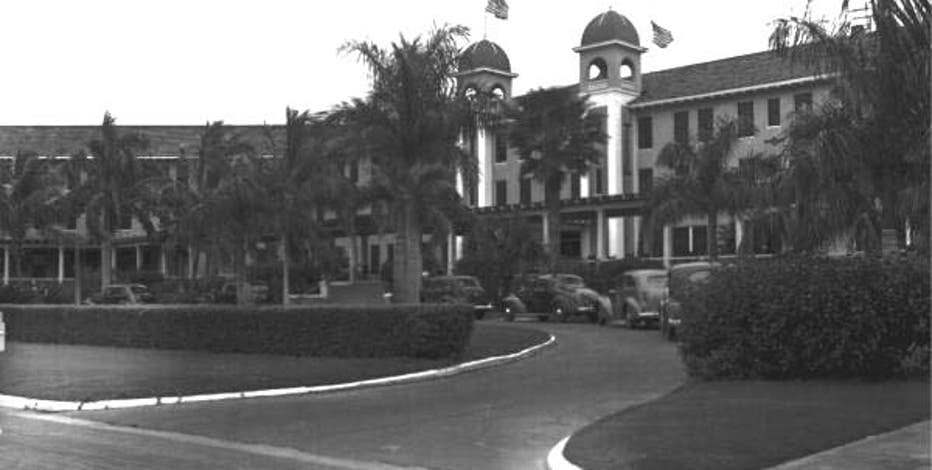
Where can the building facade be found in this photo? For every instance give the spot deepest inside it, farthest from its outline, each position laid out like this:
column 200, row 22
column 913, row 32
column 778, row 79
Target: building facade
column 601, row 209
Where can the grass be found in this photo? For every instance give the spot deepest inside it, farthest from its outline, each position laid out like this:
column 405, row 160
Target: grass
column 741, row 425
column 85, row 373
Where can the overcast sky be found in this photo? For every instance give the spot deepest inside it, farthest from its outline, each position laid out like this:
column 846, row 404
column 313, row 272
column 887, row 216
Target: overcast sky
column 189, row 61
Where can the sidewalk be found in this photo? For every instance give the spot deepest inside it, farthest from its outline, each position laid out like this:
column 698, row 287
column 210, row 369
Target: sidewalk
column 906, row 448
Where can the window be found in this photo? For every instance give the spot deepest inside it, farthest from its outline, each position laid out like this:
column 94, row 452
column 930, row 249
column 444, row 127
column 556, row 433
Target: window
column 375, row 262
column 681, row 241
column 501, row 148
column 354, row 171
column 645, row 132
column 125, row 220
column 681, row 127
column 501, row 193
column 773, row 112
column 646, row 180
column 705, row 124
column 525, row 190
column 803, row 102
column 700, row 243
column 574, row 186
column 599, row 181
column 745, row 118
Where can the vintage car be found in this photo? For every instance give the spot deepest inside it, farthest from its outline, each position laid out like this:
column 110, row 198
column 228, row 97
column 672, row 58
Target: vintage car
column 636, row 298
column 682, row 278
column 123, row 294
column 255, row 293
column 456, row 289
column 554, row 297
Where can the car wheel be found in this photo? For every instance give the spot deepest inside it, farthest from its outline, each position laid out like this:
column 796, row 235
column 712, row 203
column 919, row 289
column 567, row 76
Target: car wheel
column 480, row 314
column 559, row 312
column 630, row 323
column 509, row 314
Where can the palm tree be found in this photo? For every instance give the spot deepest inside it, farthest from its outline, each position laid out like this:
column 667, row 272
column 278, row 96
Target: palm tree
column 410, row 123
column 555, row 136
column 875, row 133
column 115, row 188
column 28, row 199
column 700, row 182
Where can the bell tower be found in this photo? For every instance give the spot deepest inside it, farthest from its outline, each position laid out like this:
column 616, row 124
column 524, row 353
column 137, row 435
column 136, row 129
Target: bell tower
column 610, row 75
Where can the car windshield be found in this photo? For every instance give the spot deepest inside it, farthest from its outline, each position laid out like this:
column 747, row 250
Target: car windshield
column 139, row 289
column 114, row 291
column 658, row 281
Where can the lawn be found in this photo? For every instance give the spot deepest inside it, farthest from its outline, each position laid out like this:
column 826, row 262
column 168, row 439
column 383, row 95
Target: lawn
column 742, row 425
column 86, row 373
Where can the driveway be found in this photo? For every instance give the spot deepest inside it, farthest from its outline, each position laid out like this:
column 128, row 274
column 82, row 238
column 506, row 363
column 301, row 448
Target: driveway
column 502, row 418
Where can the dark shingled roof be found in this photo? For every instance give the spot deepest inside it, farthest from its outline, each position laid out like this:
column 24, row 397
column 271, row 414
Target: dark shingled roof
column 609, row 26
column 484, row 53
column 163, row 140
column 734, row 72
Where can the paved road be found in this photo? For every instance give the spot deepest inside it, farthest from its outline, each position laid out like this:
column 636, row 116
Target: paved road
column 501, row 418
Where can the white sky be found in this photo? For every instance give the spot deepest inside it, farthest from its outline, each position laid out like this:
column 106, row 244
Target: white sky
column 187, row 61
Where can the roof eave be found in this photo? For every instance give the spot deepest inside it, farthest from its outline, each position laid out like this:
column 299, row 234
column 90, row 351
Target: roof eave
column 616, row 42
column 731, row 91
column 486, row 69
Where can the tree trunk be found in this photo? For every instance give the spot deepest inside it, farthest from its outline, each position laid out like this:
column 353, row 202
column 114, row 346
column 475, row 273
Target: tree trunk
column 77, row 273
column 552, row 198
column 106, row 256
column 889, row 226
column 407, row 264
column 711, row 236
column 286, row 300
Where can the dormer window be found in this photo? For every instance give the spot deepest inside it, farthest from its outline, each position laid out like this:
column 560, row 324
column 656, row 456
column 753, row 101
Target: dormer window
column 598, row 70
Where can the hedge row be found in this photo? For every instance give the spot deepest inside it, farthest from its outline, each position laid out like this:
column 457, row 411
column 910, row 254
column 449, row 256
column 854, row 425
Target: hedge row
column 810, row 318
column 422, row 331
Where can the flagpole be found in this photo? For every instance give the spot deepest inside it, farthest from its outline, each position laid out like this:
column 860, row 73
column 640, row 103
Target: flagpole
column 485, row 25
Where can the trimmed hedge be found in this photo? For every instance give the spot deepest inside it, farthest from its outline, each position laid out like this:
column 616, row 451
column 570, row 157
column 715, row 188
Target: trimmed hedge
column 810, row 318
column 421, row 331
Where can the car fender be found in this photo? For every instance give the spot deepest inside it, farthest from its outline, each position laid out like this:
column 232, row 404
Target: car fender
column 632, row 305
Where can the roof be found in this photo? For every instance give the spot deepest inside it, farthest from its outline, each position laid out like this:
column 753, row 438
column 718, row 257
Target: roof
column 720, row 75
column 163, row 140
column 609, row 26
column 484, row 54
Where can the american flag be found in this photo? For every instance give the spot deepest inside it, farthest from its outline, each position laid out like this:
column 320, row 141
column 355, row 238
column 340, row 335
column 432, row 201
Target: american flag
column 662, row 37
column 498, row 8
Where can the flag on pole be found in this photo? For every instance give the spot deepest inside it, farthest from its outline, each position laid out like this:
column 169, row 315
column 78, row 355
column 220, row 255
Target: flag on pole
column 498, row 8
column 662, row 37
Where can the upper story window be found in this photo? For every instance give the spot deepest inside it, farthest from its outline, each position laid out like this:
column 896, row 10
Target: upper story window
column 681, row 127
column 773, row 112
column 575, row 186
column 501, row 193
column 745, row 118
column 501, row 148
column 705, row 124
column 645, row 180
column 645, row 132
column 125, row 220
column 599, row 181
column 354, row 171
column 525, row 190
column 803, row 101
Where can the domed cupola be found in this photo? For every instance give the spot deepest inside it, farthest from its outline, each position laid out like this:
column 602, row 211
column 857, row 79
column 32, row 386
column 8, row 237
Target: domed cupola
column 484, row 66
column 610, row 55
column 607, row 27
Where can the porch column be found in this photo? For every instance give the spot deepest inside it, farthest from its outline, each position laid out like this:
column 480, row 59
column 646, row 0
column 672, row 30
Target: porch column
column 484, row 156
column 616, row 237
column 190, row 262
column 451, row 252
column 600, row 234
column 138, row 257
column 163, row 262
column 739, row 234
column 637, row 232
column 61, row 264
column 584, row 185
column 691, row 247
column 113, row 258
column 6, row 265
column 667, row 245
column 458, row 246
column 545, row 226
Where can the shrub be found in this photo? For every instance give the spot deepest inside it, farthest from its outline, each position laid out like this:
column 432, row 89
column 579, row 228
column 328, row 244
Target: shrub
column 809, row 318
column 423, row 331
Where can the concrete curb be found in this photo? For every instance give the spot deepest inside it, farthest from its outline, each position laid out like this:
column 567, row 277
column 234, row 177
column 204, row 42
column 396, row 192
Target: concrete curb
column 556, row 460
column 35, row 404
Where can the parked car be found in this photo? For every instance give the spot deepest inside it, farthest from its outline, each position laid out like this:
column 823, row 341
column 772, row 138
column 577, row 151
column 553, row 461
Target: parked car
column 255, row 293
column 123, row 294
column 636, row 298
column 456, row 289
column 554, row 297
column 682, row 278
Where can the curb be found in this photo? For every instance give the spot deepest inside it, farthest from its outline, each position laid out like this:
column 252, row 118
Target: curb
column 26, row 403
column 556, row 460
